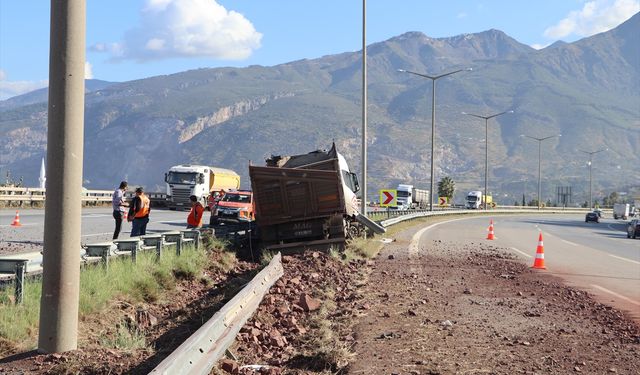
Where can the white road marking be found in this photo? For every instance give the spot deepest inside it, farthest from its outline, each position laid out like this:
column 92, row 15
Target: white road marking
column 521, row 252
column 616, row 294
column 415, row 240
column 21, row 225
column 569, row 242
column 96, row 234
column 625, row 259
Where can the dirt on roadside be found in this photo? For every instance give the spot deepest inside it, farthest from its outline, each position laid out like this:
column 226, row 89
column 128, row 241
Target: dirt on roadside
column 472, row 308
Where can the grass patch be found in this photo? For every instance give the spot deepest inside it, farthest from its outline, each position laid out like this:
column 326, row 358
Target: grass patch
column 125, row 339
column 145, row 281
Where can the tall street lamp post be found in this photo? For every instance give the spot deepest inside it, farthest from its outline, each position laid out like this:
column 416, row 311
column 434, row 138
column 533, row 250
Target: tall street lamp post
column 486, row 149
column 540, row 158
column 591, row 153
column 433, row 118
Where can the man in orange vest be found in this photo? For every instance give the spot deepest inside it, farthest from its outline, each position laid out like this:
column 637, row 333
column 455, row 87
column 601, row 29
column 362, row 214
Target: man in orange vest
column 139, row 213
column 194, row 220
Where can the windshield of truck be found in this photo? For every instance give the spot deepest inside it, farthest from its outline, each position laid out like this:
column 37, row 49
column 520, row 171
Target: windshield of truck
column 472, row 198
column 237, row 198
column 181, row 178
column 402, row 194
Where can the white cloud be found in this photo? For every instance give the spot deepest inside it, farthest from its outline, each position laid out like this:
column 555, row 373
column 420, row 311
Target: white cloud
column 9, row 89
column 540, row 46
column 88, row 70
column 595, row 17
column 462, row 15
column 186, row 28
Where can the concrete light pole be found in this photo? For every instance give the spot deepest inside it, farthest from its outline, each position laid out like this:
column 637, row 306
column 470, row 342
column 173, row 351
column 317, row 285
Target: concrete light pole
column 486, row 149
column 590, row 162
column 539, row 160
column 363, row 188
column 58, row 330
column 433, row 118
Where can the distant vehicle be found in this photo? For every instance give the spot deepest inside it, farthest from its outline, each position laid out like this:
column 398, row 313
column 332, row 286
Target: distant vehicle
column 599, row 212
column 592, row 216
column 410, row 197
column 633, row 229
column 236, row 206
column 475, row 199
column 621, row 211
column 186, row 180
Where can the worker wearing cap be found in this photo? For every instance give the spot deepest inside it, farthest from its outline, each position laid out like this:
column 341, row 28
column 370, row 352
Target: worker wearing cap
column 139, row 212
column 194, row 220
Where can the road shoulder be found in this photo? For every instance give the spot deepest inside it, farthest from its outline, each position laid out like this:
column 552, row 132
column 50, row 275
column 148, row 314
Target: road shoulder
column 472, row 307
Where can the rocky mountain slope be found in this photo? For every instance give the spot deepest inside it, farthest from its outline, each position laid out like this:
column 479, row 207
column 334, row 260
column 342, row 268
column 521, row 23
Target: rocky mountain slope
column 588, row 90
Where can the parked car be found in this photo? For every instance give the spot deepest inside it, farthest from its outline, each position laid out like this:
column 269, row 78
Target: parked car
column 633, row 228
column 592, row 216
column 235, row 206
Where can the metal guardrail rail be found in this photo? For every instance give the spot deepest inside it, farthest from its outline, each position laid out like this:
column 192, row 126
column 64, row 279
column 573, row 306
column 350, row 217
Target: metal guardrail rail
column 200, row 352
column 419, row 214
column 32, row 195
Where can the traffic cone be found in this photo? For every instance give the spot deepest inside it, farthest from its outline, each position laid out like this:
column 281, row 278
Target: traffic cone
column 124, row 215
column 490, row 236
column 16, row 220
column 539, row 261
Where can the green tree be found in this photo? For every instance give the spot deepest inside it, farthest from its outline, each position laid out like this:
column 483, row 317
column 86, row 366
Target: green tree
column 446, row 187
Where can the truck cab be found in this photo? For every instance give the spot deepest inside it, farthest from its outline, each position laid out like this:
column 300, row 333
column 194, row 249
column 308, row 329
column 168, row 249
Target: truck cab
column 186, row 180
column 404, row 197
column 474, row 200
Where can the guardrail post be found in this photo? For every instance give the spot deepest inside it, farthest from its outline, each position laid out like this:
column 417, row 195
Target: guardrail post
column 179, row 245
column 159, row 250
column 105, row 258
column 134, row 253
column 197, row 240
column 19, row 292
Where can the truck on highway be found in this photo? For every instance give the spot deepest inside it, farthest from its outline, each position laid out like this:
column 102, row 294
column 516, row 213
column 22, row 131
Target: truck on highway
column 307, row 200
column 621, row 211
column 409, row 197
column 185, row 180
column 475, row 200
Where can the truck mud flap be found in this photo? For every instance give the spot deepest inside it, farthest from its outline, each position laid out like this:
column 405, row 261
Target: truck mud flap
column 375, row 227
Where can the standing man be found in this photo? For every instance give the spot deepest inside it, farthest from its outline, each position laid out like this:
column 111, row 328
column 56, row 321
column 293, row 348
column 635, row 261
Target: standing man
column 139, row 212
column 194, row 220
column 119, row 204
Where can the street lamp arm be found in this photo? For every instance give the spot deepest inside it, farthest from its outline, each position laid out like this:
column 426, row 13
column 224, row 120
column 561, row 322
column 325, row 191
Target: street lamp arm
column 474, row 115
column 433, row 77
column 486, row 117
column 594, row 152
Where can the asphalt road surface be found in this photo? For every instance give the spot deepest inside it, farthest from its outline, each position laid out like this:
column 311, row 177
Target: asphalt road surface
column 97, row 225
column 597, row 257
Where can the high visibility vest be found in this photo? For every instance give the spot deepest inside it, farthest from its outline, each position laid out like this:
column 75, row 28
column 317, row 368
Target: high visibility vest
column 195, row 215
column 144, row 206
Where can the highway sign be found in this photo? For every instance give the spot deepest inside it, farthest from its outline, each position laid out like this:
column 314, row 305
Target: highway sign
column 443, row 201
column 388, row 197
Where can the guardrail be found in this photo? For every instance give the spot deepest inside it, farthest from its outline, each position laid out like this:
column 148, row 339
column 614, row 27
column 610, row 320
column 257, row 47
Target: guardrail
column 13, row 195
column 200, row 352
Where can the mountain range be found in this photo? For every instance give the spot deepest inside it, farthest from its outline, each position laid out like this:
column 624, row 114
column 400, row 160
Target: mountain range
column 587, row 91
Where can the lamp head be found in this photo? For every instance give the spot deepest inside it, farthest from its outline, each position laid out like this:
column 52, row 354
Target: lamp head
column 401, row 70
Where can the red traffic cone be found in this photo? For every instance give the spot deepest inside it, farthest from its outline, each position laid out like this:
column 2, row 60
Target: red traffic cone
column 490, row 236
column 124, row 215
column 539, row 261
column 16, row 220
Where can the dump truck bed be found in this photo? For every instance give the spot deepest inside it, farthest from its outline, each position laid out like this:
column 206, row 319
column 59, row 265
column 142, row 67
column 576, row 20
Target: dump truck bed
column 284, row 195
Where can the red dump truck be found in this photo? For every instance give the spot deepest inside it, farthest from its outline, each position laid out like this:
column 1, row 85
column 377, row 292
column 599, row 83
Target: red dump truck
column 307, row 200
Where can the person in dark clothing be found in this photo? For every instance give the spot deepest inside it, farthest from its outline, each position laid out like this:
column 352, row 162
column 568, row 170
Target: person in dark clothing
column 119, row 207
column 139, row 213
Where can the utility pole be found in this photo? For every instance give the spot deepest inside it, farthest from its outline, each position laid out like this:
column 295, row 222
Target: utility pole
column 61, row 263
column 591, row 153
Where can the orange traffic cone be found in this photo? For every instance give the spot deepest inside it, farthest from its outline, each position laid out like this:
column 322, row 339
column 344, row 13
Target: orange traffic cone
column 539, row 261
column 490, row 236
column 124, row 215
column 16, row 220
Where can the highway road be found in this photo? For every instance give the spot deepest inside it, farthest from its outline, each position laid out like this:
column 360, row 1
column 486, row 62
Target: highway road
column 597, row 257
column 97, row 226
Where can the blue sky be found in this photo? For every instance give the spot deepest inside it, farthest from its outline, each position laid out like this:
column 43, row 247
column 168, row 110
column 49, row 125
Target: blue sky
column 132, row 39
